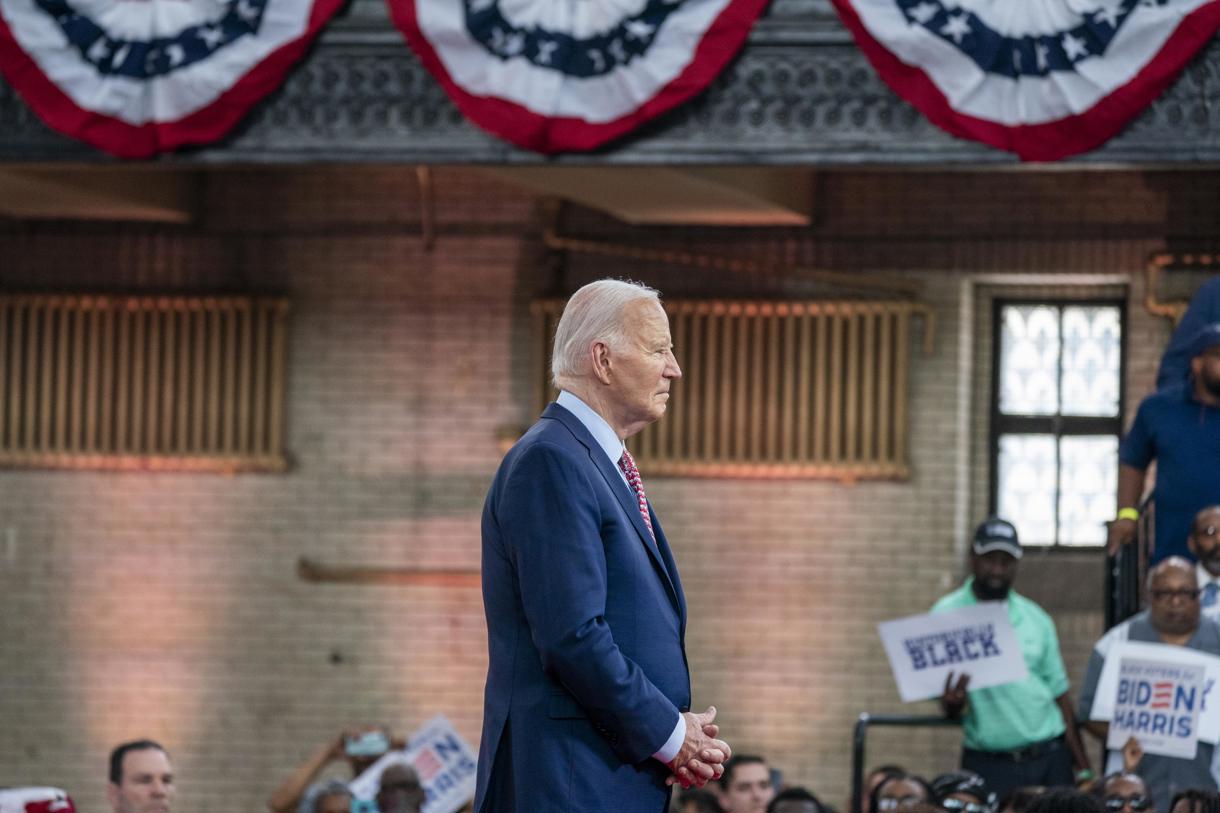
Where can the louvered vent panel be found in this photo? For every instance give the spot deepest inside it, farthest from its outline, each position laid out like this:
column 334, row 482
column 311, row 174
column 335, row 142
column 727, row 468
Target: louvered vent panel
column 142, row 382
column 776, row 389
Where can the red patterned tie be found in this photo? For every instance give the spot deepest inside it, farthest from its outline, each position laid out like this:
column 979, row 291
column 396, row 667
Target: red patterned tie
column 637, row 485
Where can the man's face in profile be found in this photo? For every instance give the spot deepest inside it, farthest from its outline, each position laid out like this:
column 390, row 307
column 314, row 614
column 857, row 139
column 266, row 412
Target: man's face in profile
column 644, row 367
column 147, row 783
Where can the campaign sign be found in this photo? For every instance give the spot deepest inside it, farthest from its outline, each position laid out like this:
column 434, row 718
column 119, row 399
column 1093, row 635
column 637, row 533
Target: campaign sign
column 1158, row 704
column 444, row 762
column 977, row 640
column 1107, row 684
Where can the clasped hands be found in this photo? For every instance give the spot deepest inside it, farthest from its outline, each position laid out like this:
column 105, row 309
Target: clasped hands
column 702, row 756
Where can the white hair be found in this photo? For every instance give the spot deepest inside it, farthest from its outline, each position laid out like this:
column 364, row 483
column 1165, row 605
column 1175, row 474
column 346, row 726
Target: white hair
column 594, row 313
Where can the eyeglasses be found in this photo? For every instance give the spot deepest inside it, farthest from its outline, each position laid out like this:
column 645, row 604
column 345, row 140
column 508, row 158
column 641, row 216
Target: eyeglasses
column 958, row 806
column 900, row 803
column 1116, row 803
column 1211, row 531
column 1186, row 594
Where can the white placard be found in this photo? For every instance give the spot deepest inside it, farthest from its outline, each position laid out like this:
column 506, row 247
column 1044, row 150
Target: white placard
column 1158, row 704
column 977, row 640
column 1107, row 684
column 445, row 764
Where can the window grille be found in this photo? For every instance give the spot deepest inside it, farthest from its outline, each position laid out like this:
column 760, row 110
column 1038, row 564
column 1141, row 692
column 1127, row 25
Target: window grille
column 167, row 383
column 1056, row 418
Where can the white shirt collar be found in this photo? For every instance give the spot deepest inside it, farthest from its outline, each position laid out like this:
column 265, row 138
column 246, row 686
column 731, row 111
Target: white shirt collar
column 597, row 426
column 1204, row 577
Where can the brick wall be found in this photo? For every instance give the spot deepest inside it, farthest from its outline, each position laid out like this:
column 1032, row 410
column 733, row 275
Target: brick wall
column 168, row 605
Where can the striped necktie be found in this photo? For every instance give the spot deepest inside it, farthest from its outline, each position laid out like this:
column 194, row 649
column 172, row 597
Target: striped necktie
column 637, row 485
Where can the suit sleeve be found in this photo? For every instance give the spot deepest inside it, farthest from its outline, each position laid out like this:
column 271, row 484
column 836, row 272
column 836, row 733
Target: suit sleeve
column 550, row 520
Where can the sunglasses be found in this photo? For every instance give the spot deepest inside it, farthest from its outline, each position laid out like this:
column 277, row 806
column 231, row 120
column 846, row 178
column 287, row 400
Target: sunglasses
column 1116, row 803
column 958, row 806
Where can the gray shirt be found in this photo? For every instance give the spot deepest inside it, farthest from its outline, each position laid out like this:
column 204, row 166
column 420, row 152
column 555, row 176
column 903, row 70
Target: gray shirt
column 1165, row 775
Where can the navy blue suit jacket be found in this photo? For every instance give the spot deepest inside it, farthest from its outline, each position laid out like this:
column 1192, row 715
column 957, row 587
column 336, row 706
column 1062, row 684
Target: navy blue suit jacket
column 585, row 621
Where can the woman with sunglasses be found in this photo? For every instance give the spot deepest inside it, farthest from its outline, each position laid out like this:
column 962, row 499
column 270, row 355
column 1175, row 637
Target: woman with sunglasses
column 1125, row 793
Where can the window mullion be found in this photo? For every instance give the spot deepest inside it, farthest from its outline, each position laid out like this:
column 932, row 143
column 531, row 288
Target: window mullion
column 1059, row 430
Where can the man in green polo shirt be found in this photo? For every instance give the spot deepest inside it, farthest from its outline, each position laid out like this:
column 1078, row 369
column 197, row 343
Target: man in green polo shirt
column 1024, row 732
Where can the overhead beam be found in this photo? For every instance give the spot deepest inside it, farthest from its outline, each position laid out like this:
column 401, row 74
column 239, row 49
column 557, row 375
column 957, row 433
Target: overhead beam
column 705, row 196
column 97, row 193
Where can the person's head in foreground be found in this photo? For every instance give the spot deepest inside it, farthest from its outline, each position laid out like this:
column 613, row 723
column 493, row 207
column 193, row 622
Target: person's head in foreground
column 746, row 785
column 1019, row 799
column 1066, row 800
column 1195, row 801
column 141, row 778
column 795, row 800
column 400, row 790
column 963, row 792
column 698, row 800
column 331, row 796
column 900, row 792
column 875, row 777
column 1125, row 793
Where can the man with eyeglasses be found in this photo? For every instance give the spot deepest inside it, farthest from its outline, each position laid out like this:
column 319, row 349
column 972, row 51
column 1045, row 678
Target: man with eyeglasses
column 1204, row 543
column 1173, row 618
column 1179, row 427
column 1125, row 793
column 1023, row 732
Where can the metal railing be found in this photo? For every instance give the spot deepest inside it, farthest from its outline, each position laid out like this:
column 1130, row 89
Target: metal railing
column 1125, row 573
column 863, row 723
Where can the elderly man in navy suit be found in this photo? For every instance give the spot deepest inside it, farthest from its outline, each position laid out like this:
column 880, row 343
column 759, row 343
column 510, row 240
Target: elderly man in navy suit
column 588, row 690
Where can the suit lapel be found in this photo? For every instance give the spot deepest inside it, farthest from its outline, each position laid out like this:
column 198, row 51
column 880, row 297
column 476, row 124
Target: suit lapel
column 626, row 499
column 671, row 569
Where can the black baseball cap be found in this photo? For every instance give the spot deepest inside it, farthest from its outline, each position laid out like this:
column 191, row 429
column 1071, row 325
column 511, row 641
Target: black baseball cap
column 996, row 534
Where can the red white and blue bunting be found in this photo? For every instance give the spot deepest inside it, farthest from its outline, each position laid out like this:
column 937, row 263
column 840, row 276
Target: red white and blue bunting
column 138, row 77
column 1042, row 78
column 561, row 76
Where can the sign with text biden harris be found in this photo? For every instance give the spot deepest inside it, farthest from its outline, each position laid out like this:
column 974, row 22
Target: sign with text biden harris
column 1158, row 704
column 977, row 640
